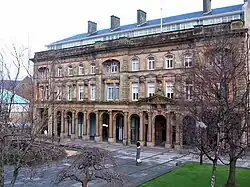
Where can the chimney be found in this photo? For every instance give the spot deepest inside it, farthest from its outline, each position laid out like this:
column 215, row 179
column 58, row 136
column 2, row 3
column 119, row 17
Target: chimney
column 92, row 27
column 141, row 17
column 206, row 6
column 115, row 22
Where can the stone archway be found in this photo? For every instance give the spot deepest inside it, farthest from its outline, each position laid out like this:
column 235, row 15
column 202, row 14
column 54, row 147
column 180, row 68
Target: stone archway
column 105, row 126
column 80, row 124
column 69, row 123
column 92, row 123
column 135, row 128
column 189, row 126
column 119, row 123
column 160, row 130
column 58, row 123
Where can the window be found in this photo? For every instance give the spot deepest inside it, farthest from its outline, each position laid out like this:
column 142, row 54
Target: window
column 69, row 91
column 151, row 89
column 135, row 64
column 189, row 88
column 81, row 93
column 42, row 93
column 169, row 62
column 70, row 71
column 47, row 93
column 92, row 93
column 151, row 63
column 135, row 91
column 59, row 94
column 113, row 92
column 188, row 61
column 93, row 69
column 59, row 71
column 114, row 67
column 170, row 91
column 80, row 70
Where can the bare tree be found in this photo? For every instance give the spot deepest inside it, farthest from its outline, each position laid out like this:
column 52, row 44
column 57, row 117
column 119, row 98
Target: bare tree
column 219, row 94
column 91, row 164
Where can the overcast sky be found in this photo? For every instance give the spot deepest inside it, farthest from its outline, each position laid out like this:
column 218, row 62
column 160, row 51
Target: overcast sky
column 40, row 22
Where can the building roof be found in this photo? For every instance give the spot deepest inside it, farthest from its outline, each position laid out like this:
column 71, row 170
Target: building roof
column 166, row 20
column 7, row 95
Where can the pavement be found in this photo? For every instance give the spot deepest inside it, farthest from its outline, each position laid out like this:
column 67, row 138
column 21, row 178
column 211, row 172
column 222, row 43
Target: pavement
column 155, row 162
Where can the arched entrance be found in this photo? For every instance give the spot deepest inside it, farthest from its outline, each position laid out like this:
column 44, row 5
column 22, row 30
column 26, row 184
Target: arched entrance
column 105, row 127
column 119, row 121
column 80, row 123
column 69, row 123
column 189, row 126
column 160, row 130
column 59, row 123
column 135, row 128
column 92, row 123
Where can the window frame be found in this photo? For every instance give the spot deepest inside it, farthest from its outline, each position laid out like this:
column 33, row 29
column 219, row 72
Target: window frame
column 170, row 90
column 135, row 62
column 70, row 70
column 93, row 69
column 150, row 94
column 151, row 63
column 80, row 92
column 187, row 60
column 80, row 69
column 93, row 92
column 59, row 71
column 188, row 91
column 169, row 59
column 69, row 93
column 135, row 94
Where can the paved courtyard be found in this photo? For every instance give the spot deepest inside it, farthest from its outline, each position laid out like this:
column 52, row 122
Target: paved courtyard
column 156, row 161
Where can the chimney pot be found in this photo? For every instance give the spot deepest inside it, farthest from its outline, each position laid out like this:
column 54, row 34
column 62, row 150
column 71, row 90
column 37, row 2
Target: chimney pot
column 115, row 22
column 92, row 27
column 206, row 6
column 141, row 17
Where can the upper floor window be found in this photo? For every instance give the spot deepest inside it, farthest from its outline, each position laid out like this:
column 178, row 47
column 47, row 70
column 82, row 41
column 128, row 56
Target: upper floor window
column 135, row 64
column 42, row 93
column 47, row 93
column 170, row 90
column 81, row 92
column 151, row 89
column 189, row 90
column 169, row 62
column 93, row 69
column 151, row 63
column 59, row 93
column 70, row 71
column 188, row 61
column 80, row 69
column 69, row 92
column 113, row 92
column 111, row 66
column 114, row 67
column 135, row 91
column 43, row 72
column 92, row 92
column 59, row 71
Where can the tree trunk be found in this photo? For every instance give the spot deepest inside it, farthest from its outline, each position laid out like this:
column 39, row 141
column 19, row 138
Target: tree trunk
column 201, row 158
column 14, row 177
column 1, row 165
column 86, row 180
column 231, row 177
column 213, row 173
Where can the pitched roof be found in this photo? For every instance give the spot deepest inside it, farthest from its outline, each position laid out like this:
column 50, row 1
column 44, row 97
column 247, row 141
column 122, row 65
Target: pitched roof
column 7, row 95
column 156, row 22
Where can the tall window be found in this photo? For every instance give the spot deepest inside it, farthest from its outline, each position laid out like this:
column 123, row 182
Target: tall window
column 59, row 93
column 42, row 93
column 170, row 91
column 69, row 92
column 92, row 92
column 188, row 61
column 114, row 67
column 80, row 70
column 135, row 91
column 70, row 71
column 169, row 61
column 93, row 69
column 151, row 89
column 59, row 71
column 151, row 63
column 189, row 88
column 47, row 93
column 81, row 92
column 135, row 64
column 113, row 92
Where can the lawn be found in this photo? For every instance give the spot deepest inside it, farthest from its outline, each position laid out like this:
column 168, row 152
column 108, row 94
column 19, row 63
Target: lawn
column 195, row 175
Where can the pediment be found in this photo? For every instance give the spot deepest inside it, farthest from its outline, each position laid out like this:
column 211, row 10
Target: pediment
column 156, row 99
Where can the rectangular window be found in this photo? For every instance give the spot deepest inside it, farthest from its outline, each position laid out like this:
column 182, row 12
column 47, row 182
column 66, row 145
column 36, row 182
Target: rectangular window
column 80, row 70
column 117, row 92
column 92, row 93
column 169, row 62
column 189, row 88
column 113, row 92
column 110, row 93
column 114, row 67
column 47, row 93
column 135, row 64
column 81, row 92
column 42, row 93
column 188, row 61
column 59, row 93
column 59, row 72
column 170, row 91
column 93, row 69
column 151, row 63
column 69, row 91
column 135, row 91
column 151, row 89
column 70, row 71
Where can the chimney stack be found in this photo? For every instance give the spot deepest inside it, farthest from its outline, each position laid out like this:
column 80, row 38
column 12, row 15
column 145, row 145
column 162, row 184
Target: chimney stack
column 92, row 27
column 206, row 6
column 141, row 17
column 115, row 22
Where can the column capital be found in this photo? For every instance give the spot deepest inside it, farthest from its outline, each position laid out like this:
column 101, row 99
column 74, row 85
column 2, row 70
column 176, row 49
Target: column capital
column 110, row 112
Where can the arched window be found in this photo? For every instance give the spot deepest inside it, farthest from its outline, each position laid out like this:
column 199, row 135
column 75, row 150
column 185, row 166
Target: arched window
column 70, row 71
column 188, row 61
column 151, row 63
column 80, row 69
column 135, row 64
column 169, row 61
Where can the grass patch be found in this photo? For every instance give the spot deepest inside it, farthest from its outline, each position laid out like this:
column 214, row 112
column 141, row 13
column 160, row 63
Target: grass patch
column 195, row 175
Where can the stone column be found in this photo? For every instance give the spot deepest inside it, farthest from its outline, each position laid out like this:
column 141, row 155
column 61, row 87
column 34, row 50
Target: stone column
column 88, row 125
column 149, row 143
column 73, row 124
column 178, row 133
column 62, row 123
column 125, row 132
column 141, row 138
column 97, row 136
column 100, row 125
column 110, row 139
column 50, row 121
column 153, row 131
column 85, row 126
column 76, row 125
column 129, row 131
column 168, row 132
column 114, row 130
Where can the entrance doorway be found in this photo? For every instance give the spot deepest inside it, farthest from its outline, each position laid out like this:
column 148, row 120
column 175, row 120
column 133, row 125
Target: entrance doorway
column 92, row 123
column 119, row 127
column 58, row 123
column 69, row 123
column 105, row 127
column 80, row 124
column 160, row 130
column 135, row 128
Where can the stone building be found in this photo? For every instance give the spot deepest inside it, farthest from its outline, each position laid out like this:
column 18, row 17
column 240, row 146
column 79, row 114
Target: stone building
column 118, row 84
